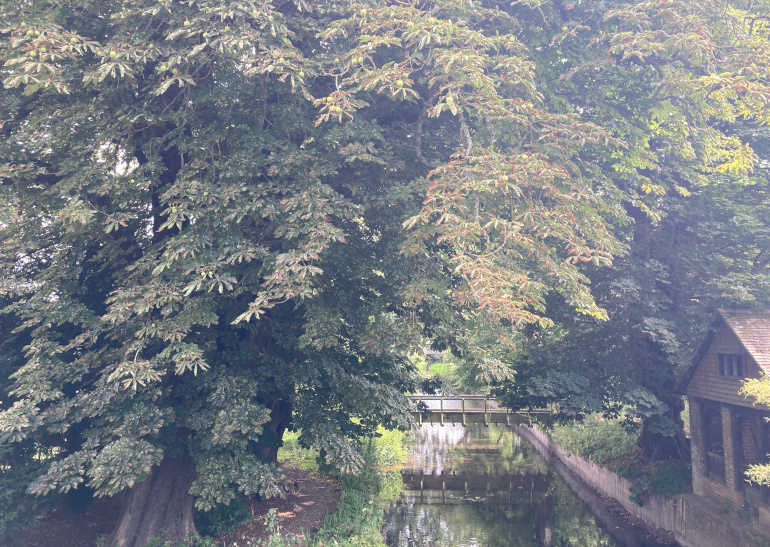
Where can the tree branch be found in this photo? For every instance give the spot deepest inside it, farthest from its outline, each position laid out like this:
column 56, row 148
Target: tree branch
column 418, row 138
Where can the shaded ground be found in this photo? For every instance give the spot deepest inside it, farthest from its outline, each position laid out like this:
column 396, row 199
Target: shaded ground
column 302, row 509
column 63, row 528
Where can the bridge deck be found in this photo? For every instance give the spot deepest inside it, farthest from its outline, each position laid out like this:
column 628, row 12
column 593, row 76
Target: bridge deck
column 464, row 409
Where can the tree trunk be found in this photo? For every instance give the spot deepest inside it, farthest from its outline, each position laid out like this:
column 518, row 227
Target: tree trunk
column 160, row 506
column 655, row 447
column 280, row 414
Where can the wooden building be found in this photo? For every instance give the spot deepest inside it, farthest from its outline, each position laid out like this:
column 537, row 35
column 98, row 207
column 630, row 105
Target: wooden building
column 729, row 432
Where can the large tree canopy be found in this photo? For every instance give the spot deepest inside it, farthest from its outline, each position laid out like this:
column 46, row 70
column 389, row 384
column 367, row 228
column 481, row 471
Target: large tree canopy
column 222, row 216
column 684, row 85
column 203, row 218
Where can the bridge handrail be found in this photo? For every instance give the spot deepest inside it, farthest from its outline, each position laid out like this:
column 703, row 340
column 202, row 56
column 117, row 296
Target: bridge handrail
column 448, row 397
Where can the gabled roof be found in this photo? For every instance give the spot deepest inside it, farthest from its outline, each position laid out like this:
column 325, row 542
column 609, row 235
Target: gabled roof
column 751, row 327
column 753, row 330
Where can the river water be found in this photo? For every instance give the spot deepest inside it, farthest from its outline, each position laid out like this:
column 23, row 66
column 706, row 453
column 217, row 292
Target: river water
column 487, row 487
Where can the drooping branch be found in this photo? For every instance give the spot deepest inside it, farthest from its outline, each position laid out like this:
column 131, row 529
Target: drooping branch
column 418, row 138
column 466, row 134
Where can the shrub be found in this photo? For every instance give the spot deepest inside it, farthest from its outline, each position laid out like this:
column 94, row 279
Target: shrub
column 222, row 518
column 611, row 444
column 597, row 439
column 665, row 478
column 388, row 447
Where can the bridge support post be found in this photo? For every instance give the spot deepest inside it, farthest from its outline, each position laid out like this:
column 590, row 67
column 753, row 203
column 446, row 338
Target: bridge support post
column 441, row 403
column 462, row 404
column 486, row 416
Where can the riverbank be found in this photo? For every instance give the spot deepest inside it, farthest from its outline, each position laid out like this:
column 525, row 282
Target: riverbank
column 356, row 516
column 693, row 520
column 316, row 509
column 610, row 512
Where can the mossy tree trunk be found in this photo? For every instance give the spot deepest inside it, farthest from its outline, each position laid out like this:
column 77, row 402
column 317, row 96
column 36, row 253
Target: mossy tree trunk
column 159, row 506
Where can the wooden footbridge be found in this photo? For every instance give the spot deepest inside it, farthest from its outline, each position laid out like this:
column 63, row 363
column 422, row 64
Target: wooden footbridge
column 530, row 482
column 466, row 409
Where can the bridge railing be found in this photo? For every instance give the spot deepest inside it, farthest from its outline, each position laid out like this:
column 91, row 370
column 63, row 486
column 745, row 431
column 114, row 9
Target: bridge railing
column 460, row 407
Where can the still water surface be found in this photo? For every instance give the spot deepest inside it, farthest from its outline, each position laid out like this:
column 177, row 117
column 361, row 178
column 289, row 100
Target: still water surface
column 486, row 486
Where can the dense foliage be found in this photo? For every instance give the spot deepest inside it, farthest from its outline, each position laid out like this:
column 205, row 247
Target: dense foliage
column 611, row 443
column 674, row 80
column 220, row 217
column 596, row 439
column 759, row 390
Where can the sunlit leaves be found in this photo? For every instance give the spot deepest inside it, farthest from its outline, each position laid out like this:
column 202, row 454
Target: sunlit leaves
column 758, row 390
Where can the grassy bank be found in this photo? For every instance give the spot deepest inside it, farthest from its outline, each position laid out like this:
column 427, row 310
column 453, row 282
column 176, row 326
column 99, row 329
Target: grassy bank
column 358, row 516
column 611, row 445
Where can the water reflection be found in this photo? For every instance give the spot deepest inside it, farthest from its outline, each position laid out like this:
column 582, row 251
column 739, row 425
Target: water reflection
column 486, row 486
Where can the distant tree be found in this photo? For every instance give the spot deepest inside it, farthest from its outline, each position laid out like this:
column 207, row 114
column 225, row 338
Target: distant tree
column 220, row 218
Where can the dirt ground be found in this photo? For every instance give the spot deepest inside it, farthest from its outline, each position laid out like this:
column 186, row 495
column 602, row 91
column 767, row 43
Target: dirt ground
column 302, row 509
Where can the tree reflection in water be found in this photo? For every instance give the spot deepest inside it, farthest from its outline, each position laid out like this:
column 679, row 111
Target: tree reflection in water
column 512, row 497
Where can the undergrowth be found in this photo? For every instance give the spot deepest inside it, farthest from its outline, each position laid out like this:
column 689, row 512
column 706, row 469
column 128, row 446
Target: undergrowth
column 222, row 518
column 357, row 518
column 611, row 444
column 597, row 439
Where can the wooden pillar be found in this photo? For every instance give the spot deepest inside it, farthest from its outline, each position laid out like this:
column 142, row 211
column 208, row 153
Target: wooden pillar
column 728, row 440
column 763, row 451
column 462, row 404
column 486, row 417
column 737, row 443
column 441, row 406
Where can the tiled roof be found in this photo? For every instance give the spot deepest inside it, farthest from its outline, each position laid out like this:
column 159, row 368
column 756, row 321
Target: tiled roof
column 753, row 330
column 751, row 327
